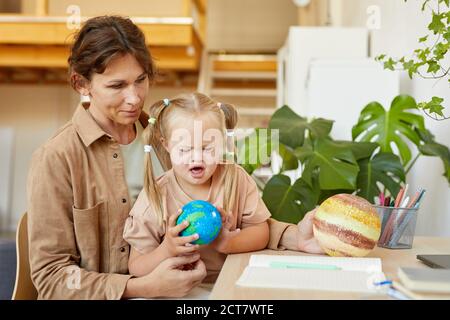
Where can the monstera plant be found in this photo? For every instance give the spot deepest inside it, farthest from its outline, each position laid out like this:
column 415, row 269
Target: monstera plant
column 377, row 159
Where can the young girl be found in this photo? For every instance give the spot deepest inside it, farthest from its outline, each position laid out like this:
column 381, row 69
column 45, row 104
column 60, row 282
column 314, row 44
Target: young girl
column 189, row 134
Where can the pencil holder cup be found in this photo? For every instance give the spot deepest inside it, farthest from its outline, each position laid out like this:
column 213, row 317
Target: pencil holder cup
column 398, row 226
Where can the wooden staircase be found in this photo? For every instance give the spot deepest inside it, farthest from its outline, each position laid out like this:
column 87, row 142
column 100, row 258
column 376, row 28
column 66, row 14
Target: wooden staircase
column 246, row 80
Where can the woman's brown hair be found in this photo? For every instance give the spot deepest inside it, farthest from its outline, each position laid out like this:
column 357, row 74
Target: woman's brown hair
column 102, row 38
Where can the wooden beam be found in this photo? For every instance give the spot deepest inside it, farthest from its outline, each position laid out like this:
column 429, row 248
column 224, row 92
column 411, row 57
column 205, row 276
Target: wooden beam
column 57, row 33
column 33, row 56
column 41, row 8
column 178, row 58
column 187, row 7
column 245, row 65
column 199, row 23
column 171, row 58
column 202, row 5
column 168, row 35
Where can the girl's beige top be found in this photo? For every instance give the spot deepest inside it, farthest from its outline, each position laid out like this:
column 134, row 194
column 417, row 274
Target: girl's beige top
column 144, row 232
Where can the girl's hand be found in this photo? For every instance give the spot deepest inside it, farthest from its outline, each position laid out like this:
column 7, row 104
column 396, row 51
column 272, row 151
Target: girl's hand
column 176, row 245
column 220, row 244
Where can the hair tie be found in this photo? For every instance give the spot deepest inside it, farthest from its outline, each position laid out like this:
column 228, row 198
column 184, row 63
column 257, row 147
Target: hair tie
column 219, row 105
column 152, row 120
column 230, row 133
column 148, row 148
column 166, row 102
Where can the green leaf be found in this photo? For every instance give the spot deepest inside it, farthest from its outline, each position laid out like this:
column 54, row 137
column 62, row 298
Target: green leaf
column 433, row 106
column 320, row 128
column 325, row 194
column 359, row 149
column 438, row 150
column 389, row 64
column 255, row 150
column 440, row 50
column 433, row 66
column 290, row 161
column 384, row 168
column 375, row 124
column 431, row 148
column 436, row 25
column 335, row 164
column 447, row 36
column 288, row 202
column 423, row 54
column 423, row 39
column 411, row 67
column 292, row 127
column 380, row 57
column 424, row 4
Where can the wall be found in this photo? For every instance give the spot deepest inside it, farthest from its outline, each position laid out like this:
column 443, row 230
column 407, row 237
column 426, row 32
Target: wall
column 34, row 112
column 401, row 25
column 249, row 25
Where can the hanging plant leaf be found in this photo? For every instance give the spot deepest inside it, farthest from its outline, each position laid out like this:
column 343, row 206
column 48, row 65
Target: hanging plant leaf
column 292, row 127
column 287, row 202
column 375, row 124
column 384, row 168
column 335, row 163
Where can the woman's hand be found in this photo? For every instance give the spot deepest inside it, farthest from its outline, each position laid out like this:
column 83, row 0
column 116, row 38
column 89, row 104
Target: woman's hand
column 305, row 237
column 176, row 245
column 167, row 279
column 220, row 244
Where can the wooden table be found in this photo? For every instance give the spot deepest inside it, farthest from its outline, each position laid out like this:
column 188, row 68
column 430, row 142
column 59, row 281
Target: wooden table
column 225, row 287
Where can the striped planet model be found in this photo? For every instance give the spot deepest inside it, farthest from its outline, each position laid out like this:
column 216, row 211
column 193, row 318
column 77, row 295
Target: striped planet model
column 346, row 225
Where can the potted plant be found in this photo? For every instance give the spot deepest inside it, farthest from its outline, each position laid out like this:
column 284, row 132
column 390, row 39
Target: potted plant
column 366, row 165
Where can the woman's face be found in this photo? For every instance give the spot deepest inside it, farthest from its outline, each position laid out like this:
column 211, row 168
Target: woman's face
column 120, row 91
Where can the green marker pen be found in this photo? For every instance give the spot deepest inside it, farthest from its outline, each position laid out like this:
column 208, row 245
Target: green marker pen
column 293, row 265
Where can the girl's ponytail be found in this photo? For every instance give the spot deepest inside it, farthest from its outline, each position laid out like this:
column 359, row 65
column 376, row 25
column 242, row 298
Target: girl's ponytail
column 230, row 183
column 152, row 137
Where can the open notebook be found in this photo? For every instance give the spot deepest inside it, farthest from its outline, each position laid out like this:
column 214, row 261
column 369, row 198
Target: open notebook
column 313, row 273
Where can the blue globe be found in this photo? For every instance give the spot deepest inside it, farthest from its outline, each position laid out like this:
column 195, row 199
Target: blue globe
column 204, row 219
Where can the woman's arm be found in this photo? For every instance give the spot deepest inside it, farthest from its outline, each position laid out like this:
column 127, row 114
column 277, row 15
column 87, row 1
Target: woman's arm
column 141, row 264
column 298, row 237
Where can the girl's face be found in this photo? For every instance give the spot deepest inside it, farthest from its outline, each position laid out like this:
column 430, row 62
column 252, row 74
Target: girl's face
column 195, row 147
column 120, row 91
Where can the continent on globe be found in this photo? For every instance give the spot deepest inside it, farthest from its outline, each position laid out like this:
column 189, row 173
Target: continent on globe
column 204, row 219
column 346, row 225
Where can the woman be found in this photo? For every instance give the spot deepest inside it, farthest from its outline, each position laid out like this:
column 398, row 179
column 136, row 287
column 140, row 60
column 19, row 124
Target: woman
column 83, row 181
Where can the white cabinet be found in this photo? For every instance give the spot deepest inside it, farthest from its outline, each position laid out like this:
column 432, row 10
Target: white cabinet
column 338, row 89
column 305, row 44
column 326, row 72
